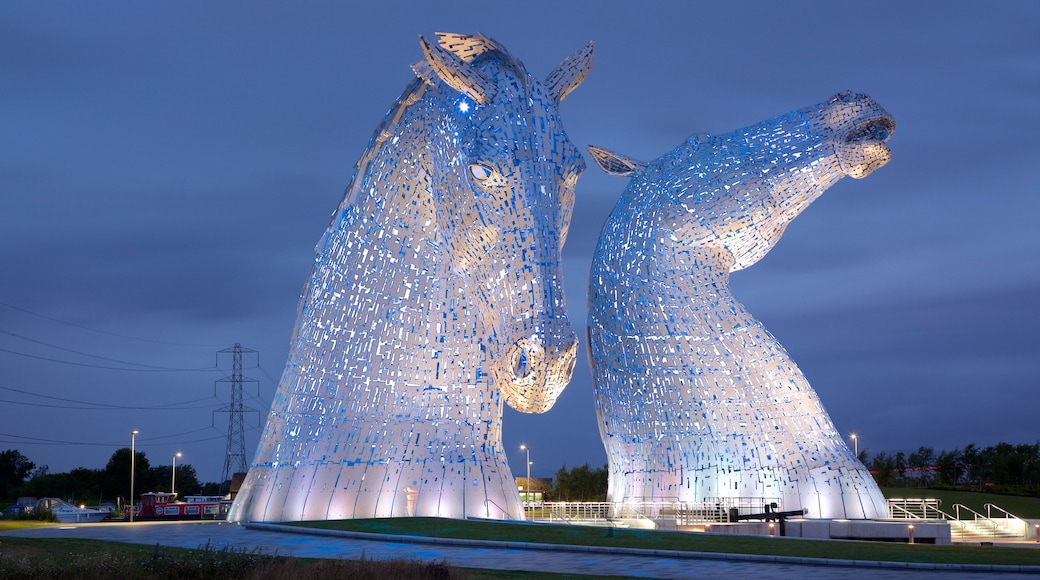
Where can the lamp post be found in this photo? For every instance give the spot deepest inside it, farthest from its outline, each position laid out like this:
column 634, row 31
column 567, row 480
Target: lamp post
column 133, row 457
column 855, row 444
column 173, row 476
column 527, row 491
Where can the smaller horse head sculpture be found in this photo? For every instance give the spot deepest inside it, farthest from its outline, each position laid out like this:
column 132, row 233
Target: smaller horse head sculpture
column 741, row 189
column 696, row 399
column 503, row 193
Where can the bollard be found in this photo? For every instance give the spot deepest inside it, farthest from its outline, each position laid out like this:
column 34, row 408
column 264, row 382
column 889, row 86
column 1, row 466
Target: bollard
column 910, row 529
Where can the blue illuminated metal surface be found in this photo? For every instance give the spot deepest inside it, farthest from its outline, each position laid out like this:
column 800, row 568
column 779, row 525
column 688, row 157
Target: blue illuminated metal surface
column 435, row 298
column 696, row 401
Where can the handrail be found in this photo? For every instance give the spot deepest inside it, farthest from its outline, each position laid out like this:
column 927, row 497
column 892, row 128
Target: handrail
column 684, row 513
column 907, row 513
column 636, row 509
column 921, row 500
column 985, row 520
column 1007, row 514
column 924, row 505
column 957, row 507
column 505, row 511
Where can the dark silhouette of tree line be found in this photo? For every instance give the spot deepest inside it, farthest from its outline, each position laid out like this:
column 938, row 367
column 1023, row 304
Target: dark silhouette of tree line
column 20, row 477
column 580, row 484
column 1003, row 468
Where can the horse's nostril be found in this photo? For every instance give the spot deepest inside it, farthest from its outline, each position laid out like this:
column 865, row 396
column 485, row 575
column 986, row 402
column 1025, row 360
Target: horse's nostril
column 526, row 360
column 569, row 370
column 521, row 365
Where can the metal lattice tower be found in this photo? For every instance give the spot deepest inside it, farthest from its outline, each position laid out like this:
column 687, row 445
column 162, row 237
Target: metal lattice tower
column 235, row 457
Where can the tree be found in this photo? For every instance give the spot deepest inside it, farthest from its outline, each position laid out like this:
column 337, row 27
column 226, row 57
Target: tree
column 186, row 474
column 81, row 485
column 214, row 487
column 921, row 462
column 882, row 467
column 1001, row 468
column 863, row 456
column 49, row 485
column 187, row 481
column 1011, row 464
column 15, row 468
column 949, row 468
column 900, row 466
column 116, row 475
column 971, row 458
column 580, row 484
column 1031, row 458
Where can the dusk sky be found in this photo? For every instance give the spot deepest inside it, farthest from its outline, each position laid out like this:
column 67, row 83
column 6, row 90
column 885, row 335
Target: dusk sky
column 166, row 170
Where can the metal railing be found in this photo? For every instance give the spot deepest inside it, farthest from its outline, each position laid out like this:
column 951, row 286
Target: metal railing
column 964, row 522
column 899, row 512
column 502, row 509
column 990, row 507
column 573, row 511
column 1011, row 523
column 977, row 525
column 917, row 508
column 713, row 510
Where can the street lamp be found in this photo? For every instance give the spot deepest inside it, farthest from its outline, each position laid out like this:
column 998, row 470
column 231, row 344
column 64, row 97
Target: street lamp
column 173, row 476
column 133, row 457
column 855, row 444
column 527, row 491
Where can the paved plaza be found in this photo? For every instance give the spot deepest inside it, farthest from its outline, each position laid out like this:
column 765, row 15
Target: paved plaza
column 615, row 562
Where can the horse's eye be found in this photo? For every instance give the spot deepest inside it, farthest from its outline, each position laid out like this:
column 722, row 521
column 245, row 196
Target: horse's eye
column 480, row 171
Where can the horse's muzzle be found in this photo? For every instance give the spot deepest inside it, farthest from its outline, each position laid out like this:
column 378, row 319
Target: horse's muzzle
column 536, row 375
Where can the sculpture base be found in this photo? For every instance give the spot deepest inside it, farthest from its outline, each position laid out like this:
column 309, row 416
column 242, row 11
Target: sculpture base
column 924, row 531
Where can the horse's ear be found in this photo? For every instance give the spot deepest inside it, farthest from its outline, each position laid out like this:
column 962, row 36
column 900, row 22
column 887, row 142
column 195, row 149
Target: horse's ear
column 457, row 73
column 614, row 163
column 570, row 73
column 465, row 46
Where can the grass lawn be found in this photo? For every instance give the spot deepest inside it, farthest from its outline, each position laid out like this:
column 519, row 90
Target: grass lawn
column 54, row 558
column 1023, row 507
column 21, row 524
column 661, row 540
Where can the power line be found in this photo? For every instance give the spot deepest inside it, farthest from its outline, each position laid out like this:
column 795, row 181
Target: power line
column 268, row 375
column 150, row 439
column 23, row 439
column 87, row 328
column 86, row 354
column 102, row 406
column 110, row 407
column 66, row 362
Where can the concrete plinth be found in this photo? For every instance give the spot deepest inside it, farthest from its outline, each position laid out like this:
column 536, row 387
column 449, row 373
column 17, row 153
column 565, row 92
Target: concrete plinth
column 924, row 531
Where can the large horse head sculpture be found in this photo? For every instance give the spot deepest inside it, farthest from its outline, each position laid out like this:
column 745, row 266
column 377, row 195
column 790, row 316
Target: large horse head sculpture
column 436, row 297
column 696, row 400
column 503, row 193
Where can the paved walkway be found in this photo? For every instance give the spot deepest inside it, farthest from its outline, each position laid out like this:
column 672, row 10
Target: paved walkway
column 642, row 563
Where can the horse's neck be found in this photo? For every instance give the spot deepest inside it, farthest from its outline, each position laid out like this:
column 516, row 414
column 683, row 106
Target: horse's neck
column 669, row 288
column 389, row 300
column 701, row 276
column 797, row 164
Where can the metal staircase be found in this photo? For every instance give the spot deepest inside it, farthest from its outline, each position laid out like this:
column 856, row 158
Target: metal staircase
column 966, row 524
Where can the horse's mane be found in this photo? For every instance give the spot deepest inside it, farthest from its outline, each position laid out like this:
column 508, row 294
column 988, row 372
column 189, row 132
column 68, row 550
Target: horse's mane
column 474, row 49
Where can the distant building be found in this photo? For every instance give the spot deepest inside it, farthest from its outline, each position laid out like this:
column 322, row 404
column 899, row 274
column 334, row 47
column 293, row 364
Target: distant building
column 539, row 487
